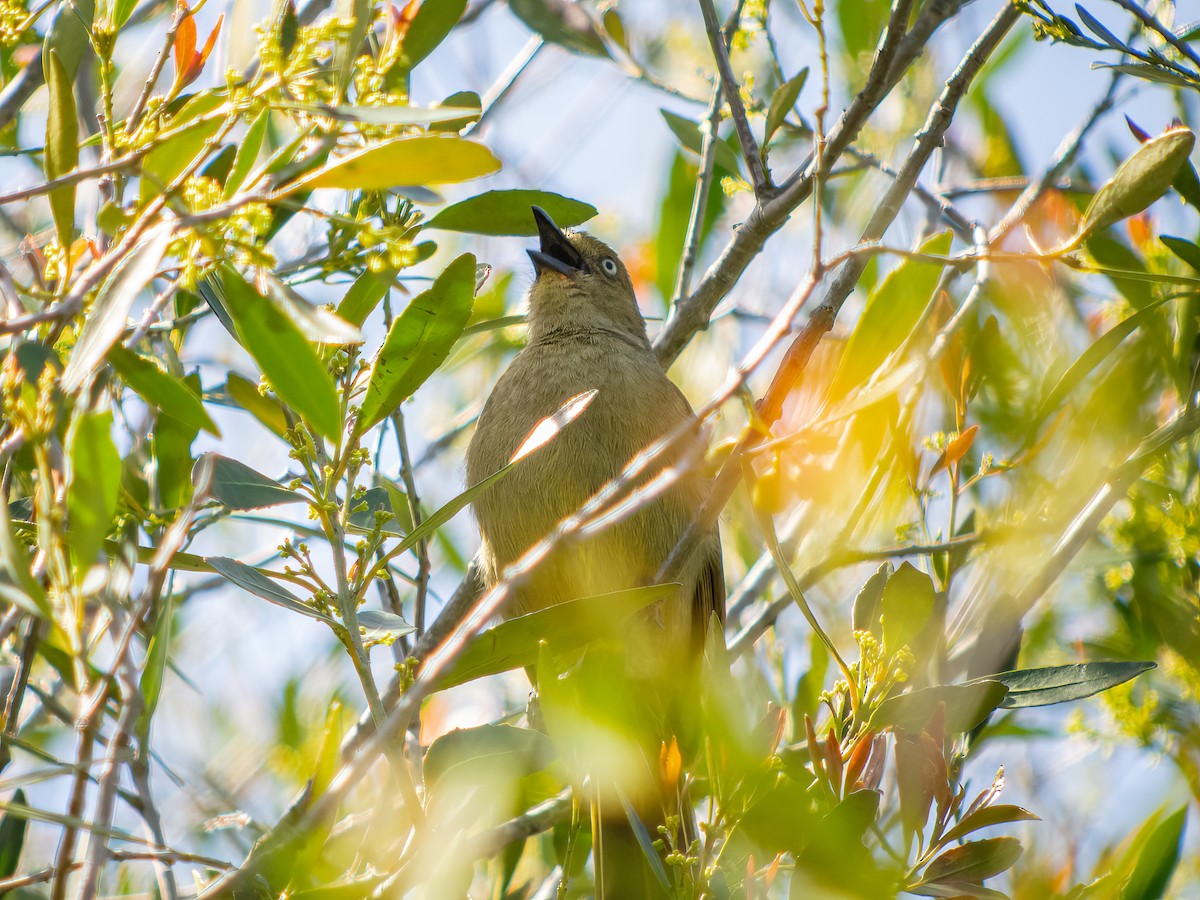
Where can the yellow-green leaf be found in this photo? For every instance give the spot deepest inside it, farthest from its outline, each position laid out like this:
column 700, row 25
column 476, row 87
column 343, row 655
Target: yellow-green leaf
column 1139, row 181
column 62, row 145
column 418, row 341
column 406, row 161
column 93, row 485
column 287, row 359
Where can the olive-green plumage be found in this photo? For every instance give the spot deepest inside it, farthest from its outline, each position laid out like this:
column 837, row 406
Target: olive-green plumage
column 586, row 333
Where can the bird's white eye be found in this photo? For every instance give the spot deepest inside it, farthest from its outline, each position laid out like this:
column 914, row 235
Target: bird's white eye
column 609, row 266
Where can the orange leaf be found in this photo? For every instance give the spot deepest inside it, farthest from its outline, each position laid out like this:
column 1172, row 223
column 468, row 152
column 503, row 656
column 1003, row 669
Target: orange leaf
column 185, row 42
column 212, row 40
column 670, row 762
column 956, row 450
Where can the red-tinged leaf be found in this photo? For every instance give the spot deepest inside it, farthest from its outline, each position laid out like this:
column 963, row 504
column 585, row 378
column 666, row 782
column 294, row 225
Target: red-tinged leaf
column 858, row 759
column 184, row 47
column 975, row 861
column 920, row 766
column 956, row 450
column 989, row 815
column 212, row 39
column 1136, row 131
column 833, row 758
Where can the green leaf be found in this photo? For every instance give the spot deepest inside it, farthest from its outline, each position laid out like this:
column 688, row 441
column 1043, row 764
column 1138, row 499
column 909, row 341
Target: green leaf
column 348, row 50
column 868, row 603
column 1089, row 360
column 907, row 604
column 316, row 323
column 565, row 626
column 1061, row 684
column 12, row 837
column 288, row 360
column 376, row 500
column 93, row 486
column 782, row 100
column 1138, row 182
column 364, row 295
column 107, row 318
column 68, row 36
column 470, row 108
column 238, row 486
column 389, row 115
column 569, row 25
column 470, row 754
column 422, row 160
column 690, row 137
column 1159, row 846
column 418, row 341
column 507, row 213
column 966, row 706
column 674, row 214
column 247, row 154
column 159, row 389
column 1184, row 249
column 155, row 667
column 168, row 160
column 379, row 624
column 429, row 27
column 986, row 817
column 974, row 861
column 448, row 511
column 890, row 314
column 267, row 410
column 252, row 580
column 122, row 10
column 62, row 145
column 18, row 587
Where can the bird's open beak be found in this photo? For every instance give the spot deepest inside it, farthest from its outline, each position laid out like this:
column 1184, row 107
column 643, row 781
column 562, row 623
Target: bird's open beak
column 556, row 253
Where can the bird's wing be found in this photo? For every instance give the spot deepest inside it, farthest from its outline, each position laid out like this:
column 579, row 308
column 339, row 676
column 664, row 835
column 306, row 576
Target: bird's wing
column 709, row 597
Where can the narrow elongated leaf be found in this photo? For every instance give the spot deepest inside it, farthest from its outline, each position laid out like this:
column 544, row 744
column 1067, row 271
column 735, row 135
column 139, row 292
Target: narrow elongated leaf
column 267, row 410
column 1158, row 857
column 109, row 313
column 287, row 359
column 378, row 624
column 250, row 579
column 240, row 487
column 691, row 138
column 376, row 500
column 782, row 100
column 404, row 161
column 12, row 837
column 470, row 754
column 159, row 389
column 358, row 12
column 156, row 666
column 1138, row 182
column 566, row 626
column 18, row 587
column 93, row 486
column 988, row 816
column 429, row 28
column 1089, row 360
column 316, row 323
column 974, row 861
column 418, row 341
column 891, row 312
column 62, row 145
column 1184, row 249
column 390, row 115
column 966, row 706
column 507, row 213
column 1061, row 684
column 364, row 295
column 167, row 161
column 247, row 153
column 1097, row 28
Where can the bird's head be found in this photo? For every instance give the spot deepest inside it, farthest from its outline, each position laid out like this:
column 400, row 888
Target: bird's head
column 580, row 284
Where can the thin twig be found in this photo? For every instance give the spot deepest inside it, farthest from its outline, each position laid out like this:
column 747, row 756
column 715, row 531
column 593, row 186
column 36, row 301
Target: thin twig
column 737, row 110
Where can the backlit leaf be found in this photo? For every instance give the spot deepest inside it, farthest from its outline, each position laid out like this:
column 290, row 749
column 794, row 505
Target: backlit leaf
column 507, row 213
column 62, row 145
column 94, row 484
column 160, row 389
column 412, row 160
column 418, row 341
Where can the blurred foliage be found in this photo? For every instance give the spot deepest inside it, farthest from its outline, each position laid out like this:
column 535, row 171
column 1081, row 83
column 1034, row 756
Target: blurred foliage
column 982, row 496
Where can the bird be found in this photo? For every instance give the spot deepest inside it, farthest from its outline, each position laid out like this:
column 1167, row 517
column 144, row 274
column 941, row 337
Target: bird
column 586, row 334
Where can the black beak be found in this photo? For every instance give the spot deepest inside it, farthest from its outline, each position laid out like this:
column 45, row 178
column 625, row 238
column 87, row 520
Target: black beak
column 556, row 253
